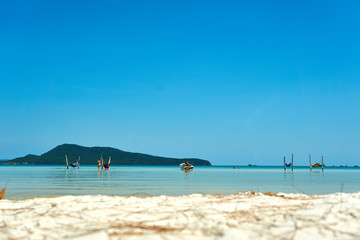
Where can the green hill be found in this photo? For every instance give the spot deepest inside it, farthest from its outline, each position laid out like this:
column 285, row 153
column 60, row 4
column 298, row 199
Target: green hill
column 90, row 155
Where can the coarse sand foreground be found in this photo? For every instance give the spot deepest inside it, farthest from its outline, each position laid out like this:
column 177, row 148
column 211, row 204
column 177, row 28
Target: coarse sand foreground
column 239, row 216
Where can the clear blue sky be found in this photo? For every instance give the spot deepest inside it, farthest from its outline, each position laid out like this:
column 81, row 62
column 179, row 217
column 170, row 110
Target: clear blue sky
column 233, row 82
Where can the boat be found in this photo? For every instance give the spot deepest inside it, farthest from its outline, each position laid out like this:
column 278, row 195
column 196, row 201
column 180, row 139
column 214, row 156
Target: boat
column 186, row 166
column 74, row 165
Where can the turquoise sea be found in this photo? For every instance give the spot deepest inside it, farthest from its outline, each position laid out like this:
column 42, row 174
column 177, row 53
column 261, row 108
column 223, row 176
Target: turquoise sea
column 30, row 181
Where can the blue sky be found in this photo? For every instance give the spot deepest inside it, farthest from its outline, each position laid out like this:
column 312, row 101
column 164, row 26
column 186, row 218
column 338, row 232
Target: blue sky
column 233, row 82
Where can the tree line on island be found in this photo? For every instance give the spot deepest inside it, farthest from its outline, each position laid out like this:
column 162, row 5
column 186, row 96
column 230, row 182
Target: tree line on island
column 90, row 155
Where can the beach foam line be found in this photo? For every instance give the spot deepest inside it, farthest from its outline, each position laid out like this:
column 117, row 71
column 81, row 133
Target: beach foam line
column 237, row 216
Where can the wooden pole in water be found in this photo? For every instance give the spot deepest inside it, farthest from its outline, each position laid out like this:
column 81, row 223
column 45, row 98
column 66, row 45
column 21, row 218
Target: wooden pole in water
column 322, row 163
column 67, row 162
column 292, row 162
column 284, row 164
column 102, row 162
column 79, row 163
column 310, row 162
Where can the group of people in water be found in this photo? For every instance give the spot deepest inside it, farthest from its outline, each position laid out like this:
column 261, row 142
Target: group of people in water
column 100, row 163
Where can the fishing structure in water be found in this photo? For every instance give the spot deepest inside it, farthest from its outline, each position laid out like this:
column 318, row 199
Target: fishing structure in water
column 289, row 164
column 74, row 165
column 317, row 164
column 102, row 164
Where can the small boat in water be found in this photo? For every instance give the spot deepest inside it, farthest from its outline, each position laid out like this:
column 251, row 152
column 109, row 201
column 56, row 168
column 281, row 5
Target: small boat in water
column 186, row 166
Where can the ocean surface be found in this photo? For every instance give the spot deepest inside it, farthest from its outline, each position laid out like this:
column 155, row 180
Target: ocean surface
column 31, row 181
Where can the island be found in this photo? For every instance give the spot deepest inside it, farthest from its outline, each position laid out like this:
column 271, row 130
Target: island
column 90, row 155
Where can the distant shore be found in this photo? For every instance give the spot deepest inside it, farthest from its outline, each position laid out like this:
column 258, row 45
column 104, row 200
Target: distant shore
column 176, row 165
column 237, row 216
column 91, row 155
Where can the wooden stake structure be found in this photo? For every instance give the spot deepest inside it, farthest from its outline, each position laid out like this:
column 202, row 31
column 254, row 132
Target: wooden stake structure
column 310, row 162
column 322, row 163
column 102, row 162
column 67, row 162
column 292, row 163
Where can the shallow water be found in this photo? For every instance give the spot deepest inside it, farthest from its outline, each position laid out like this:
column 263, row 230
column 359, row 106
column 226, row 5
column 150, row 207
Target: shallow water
column 29, row 181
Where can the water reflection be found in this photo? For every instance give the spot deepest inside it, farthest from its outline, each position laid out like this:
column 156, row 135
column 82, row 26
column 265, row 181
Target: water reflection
column 104, row 173
column 289, row 182
column 124, row 180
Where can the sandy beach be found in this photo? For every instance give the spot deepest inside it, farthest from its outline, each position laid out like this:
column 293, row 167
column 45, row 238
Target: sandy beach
column 238, row 216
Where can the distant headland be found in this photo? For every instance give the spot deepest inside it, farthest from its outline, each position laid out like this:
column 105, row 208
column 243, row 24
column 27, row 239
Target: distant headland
column 90, row 155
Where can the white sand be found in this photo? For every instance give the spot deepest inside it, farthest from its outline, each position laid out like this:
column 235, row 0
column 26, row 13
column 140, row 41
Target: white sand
column 239, row 216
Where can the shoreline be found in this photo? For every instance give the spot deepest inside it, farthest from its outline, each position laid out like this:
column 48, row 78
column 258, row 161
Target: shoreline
column 236, row 216
column 11, row 197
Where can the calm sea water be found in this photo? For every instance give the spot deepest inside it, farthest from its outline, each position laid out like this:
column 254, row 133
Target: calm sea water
column 29, row 181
